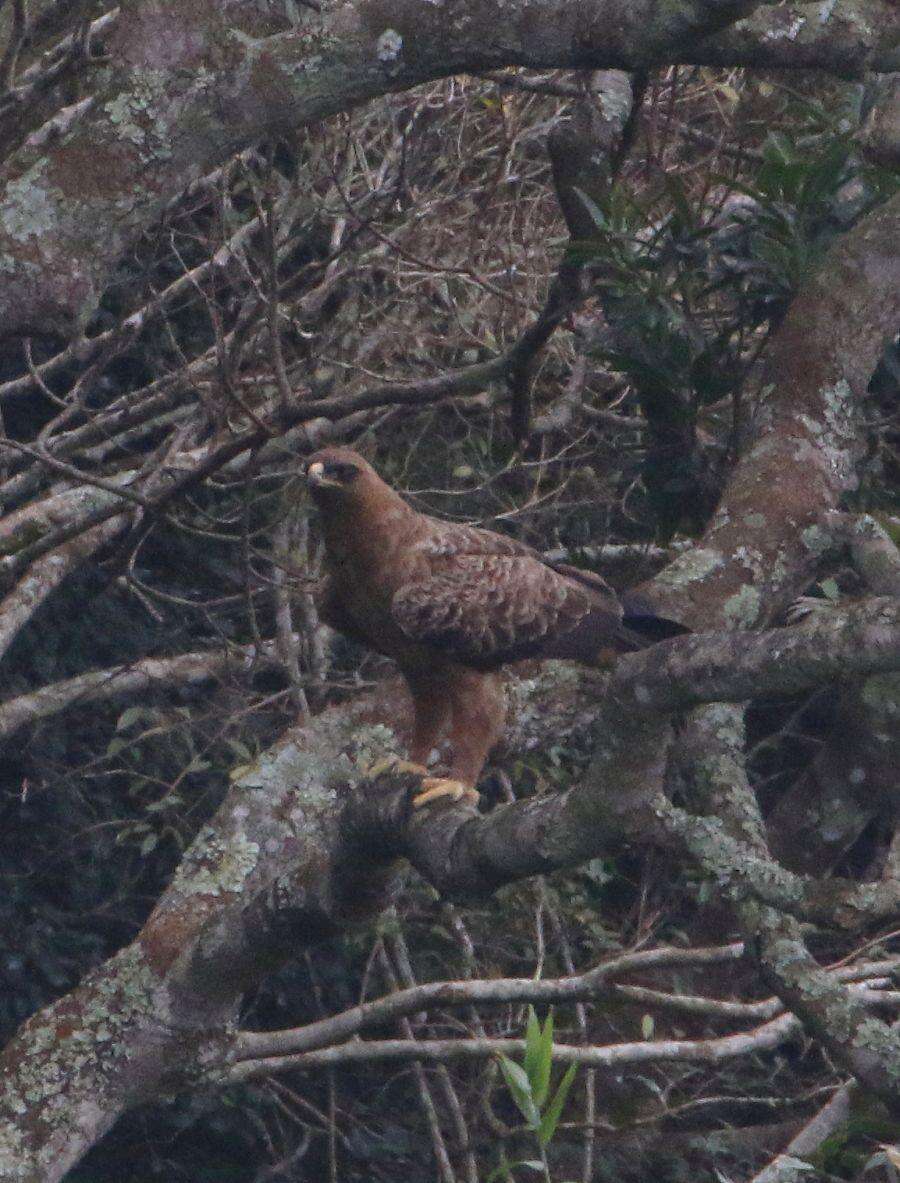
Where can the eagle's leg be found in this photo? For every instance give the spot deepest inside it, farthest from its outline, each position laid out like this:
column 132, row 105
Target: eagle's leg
column 431, row 712
column 477, row 705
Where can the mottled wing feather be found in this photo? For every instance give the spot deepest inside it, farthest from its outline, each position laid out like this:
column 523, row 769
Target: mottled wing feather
column 589, row 579
column 488, row 609
column 446, row 540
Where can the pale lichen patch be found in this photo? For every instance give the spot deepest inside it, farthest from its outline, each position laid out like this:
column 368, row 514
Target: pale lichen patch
column 728, row 722
column 388, row 46
column 27, row 211
column 815, row 539
column 311, row 774
column 690, row 567
column 789, row 31
column 750, row 558
column 63, row 1053
column 216, row 866
column 742, row 609
column 872, row 1035
column 374, row 742
column 779, row 570
column 13, row 1161
column 136, row 112
column 835, row 435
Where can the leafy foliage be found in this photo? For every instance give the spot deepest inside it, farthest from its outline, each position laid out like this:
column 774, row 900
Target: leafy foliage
column 529, row 1087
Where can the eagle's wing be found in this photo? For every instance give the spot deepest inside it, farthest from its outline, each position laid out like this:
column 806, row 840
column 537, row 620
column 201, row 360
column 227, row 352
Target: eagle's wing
column 449, row 540
column 487, row 609
column 442, row 540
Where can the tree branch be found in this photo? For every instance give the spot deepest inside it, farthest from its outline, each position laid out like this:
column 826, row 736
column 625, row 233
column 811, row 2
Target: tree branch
column 62, row 226
column 121, row 680
column 595, row 985
column 443, row 1051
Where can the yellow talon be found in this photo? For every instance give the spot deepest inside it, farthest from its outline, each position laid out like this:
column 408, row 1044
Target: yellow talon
column 433, row 787
column 440, row 786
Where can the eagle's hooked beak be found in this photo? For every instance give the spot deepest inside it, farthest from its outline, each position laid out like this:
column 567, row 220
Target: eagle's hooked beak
column 315, row 476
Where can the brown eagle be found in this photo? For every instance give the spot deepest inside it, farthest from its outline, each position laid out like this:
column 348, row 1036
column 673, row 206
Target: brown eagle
column 452, row 604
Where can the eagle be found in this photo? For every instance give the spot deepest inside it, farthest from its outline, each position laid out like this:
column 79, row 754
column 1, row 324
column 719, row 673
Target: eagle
column 452, row 605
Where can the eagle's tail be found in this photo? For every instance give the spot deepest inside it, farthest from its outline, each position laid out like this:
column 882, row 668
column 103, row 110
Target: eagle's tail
column 641, row 623
column 640, row 620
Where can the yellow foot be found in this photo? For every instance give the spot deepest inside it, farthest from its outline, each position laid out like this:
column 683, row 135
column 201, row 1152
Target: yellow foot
column 394, row 764
column 440, row 786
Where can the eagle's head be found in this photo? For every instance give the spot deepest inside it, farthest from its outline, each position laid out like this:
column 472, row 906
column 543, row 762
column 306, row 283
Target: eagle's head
column 338, row 475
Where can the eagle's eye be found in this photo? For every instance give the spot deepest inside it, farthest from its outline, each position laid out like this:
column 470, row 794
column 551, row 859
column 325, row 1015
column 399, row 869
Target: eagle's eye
column 330, row 476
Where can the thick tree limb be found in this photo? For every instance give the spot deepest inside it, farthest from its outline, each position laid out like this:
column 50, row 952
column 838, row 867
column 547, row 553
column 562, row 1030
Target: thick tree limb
column 837, row 38
column 767, row 535
column 68, row 211
column 853, row 777
column 621, row 799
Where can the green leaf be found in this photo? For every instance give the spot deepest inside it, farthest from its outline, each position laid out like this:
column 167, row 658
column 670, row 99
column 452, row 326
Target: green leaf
column 240, row 770
column 539, row 1055
column 130, row 831
column 550, row 1120
column 532, row 1046
column 520, row 1090
column 830, row 589
column 540, row 1086
column 647, row 1027
column 240, row 749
